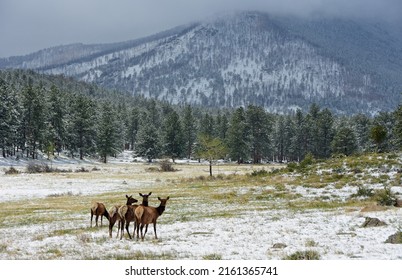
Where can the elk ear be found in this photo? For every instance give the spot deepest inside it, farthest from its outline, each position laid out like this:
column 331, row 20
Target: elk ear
column 150, row 193
column 140, row 194
column 167, row 198
column 159, row 198
column 126, row 196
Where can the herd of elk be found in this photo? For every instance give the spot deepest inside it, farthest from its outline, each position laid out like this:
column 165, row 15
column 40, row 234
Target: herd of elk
column 142, row 215
column 126, row 213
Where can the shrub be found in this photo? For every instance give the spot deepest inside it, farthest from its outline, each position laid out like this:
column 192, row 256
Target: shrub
column 308, row 160
column 212, row 257
column 166, row 166
column 385, row 197
column 12, row 171
column 364, row 191
column 304, row 255
column 292, row 166
column 259, row 173
column 37, row 167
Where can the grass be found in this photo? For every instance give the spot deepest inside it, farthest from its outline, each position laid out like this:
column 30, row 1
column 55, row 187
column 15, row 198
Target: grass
column 233, row 191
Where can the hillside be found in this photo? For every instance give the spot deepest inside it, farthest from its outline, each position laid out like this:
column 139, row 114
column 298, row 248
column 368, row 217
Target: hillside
column 279, row 63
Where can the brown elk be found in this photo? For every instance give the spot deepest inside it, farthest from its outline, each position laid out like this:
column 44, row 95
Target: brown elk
column 115, row 217
column 126, row 213
column 145, row 215
column 98, row 209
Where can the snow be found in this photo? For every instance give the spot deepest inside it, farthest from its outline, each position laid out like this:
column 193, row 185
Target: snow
column 231, row 231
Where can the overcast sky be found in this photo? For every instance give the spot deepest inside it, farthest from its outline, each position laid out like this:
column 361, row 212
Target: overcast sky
column 31, row 25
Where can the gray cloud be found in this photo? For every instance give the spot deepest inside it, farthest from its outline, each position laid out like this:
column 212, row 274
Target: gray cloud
column 27, row 26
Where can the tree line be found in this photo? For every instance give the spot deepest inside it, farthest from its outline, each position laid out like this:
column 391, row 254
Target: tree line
column 47, row 117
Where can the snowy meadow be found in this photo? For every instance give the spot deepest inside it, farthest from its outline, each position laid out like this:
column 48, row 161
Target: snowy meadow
column 244, row 212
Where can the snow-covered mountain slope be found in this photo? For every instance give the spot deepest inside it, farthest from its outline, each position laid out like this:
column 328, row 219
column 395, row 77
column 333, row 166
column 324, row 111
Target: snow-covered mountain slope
column 239, row 59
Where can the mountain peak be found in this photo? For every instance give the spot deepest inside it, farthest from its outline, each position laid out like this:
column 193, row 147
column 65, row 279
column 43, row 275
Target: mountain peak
column 280, row 63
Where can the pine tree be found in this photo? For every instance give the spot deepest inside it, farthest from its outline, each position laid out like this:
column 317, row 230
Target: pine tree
column 207, row 125
column 56, row 132
column 361, row 126
column 147, row 139
column 81, row 128
column 325, row 123
column 238, row 137
column 279, row 139
column 398, row 127
column 133, row 126
column 378, row 134
column 344, row 141
column 298, row 140
column 9, row 119
column 108, row 137
column 258, row 126
column 189, row 131
column 33, row 118
column 173, row 140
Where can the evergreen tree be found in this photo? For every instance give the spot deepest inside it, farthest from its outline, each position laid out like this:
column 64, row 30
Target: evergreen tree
column 312, row 130
column 147, row 139
column 378, row 133
column 386, row 121
column 238, row 138
column 33, row 118
column 279, row 138
column 82, row 126
column 361, row 126
column 398, row 127
column 189, row 130
column 289, row 134
column 133, row 126
column 325, row 133
column 298, row 140
column 344, row 141
column 56, row 132
column 173, row 140
column 108, row 135
column 221, row 126
column 9, row 119
column 259, row 132
column 207, row 125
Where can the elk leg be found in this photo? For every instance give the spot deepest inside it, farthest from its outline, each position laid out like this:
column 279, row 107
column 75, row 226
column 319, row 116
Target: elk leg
column 156, row 237
column 142, row 235
column 121, row 229
column 92, row 215
column 111, row 224
column 138, row 230
column 135, row 226
column 96, row 220
column 118, row 228
column 128, row 232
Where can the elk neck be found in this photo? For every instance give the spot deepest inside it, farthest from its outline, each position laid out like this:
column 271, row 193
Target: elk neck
column 160, row 209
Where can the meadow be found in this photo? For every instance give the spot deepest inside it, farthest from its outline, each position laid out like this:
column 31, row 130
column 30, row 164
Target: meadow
column 312, row 210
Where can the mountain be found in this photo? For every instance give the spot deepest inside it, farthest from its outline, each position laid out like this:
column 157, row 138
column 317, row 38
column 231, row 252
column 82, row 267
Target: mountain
column 280, row 63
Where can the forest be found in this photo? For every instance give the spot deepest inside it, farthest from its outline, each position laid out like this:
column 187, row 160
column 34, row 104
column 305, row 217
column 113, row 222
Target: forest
column 43, row 115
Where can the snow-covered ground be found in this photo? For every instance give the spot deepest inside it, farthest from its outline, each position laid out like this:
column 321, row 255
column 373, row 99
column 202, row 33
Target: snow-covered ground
column 236, row 232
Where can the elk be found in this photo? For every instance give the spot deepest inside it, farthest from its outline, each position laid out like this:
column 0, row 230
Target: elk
column 126, row 213
column 145, row 198
column 98, row 209
column 114, row 215
column 145, row 215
